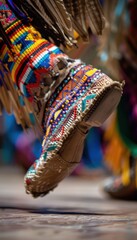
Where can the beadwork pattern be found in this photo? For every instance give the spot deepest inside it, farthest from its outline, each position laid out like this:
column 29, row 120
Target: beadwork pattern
column 34, row 58
column 68, row 111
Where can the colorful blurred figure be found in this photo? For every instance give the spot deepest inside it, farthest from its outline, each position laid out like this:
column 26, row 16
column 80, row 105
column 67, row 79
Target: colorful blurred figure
column 121, row 136
column 23, row 147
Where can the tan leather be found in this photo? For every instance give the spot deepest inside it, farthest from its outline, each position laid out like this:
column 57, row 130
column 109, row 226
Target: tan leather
column 72, row 148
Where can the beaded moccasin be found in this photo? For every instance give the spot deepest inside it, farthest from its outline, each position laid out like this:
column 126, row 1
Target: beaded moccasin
column 84, row 99
column 67, row 98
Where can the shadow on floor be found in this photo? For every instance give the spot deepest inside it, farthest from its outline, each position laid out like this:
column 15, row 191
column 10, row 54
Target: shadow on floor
column 58, row 210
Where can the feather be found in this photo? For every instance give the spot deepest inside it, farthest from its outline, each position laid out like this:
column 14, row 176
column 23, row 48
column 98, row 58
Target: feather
column 84, row 14
column 76, row 11
column 60, row 17
column 60, row 14
column 37, row 6
column 95, row 16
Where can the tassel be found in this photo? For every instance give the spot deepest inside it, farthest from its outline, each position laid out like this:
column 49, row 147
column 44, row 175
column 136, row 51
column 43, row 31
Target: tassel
column 14, row 102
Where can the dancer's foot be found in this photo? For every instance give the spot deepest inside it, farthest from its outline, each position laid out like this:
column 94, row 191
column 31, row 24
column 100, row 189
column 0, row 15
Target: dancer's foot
column 68, row 119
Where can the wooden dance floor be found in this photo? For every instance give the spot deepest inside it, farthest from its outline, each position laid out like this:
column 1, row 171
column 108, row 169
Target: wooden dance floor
column 77, row 209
